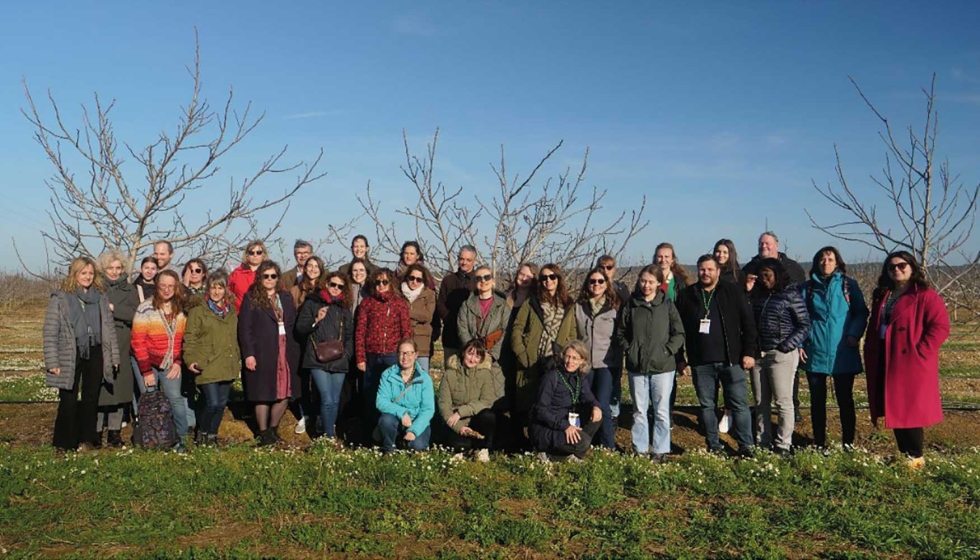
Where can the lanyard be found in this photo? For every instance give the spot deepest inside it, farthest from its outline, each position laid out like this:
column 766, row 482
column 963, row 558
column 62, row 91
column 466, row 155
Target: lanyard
column 707, row 303
column 576, row 393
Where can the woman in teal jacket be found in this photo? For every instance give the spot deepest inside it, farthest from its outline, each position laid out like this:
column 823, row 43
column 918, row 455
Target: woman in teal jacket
column 838, row 317
column 406, row 402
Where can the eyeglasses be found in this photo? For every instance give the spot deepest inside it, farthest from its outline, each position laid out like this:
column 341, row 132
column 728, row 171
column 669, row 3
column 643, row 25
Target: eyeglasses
column 270, row 276
column 898, row 266
column 608, row 266
column 382, row 282
column 409, row 353
column 484, row 278
column 414, row 278
column 336, row 286
column 256, row 252
column 546, row 277
column 197, row 270
column 597, row 281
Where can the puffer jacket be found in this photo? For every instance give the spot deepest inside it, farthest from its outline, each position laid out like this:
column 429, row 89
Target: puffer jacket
column 472, row 325
column 549, row 419
column 837, row 310
column 781, row 318
column 59, row 342
column 652, row 334
column 469, row 391
column 308, row 332
column 599, row 334
column 417, row 397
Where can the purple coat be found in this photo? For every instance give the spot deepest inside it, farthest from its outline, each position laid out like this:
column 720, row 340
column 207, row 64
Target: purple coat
column 258, row 336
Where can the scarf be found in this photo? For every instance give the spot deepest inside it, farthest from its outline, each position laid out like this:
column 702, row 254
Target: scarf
column 113, row 283
column 410, row 294
column 597, row 304
column 220, row 309
column 553, row 316
column 86, row 319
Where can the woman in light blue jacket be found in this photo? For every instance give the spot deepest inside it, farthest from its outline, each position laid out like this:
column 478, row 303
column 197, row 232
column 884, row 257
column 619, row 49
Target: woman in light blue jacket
column 838, row 317
column 406, row 402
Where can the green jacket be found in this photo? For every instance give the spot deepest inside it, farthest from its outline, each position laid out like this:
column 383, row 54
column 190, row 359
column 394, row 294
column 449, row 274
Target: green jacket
column 469, row 391
column 472, row 325
column 529, row 327
column 651, row 332
column 212, row 343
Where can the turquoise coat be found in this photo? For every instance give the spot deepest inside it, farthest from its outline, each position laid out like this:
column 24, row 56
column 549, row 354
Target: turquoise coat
column 419, row 401
column 832, row 320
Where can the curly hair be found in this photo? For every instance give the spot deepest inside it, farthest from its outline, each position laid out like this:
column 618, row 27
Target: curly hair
column 426, row 277
column 256, row 294
column 372, row 281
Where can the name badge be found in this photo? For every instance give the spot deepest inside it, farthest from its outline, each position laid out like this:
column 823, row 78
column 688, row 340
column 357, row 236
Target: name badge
column 705, row 326
column 282, row 329
column 574, row 420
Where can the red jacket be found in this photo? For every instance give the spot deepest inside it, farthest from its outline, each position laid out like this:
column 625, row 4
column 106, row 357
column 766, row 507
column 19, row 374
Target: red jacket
column 382, row 322
column 908, row 393
column 239, row 281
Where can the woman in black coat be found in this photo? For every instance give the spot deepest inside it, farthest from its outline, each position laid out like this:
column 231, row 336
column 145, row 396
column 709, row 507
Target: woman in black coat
column 566, row 415
column 123, row 301
column 266, row 323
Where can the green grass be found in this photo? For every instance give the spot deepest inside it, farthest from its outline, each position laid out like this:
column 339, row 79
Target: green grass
column 241, row 501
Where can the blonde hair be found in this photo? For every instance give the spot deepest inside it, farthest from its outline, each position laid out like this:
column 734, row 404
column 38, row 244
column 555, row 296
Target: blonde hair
column 253, row 244
column 110, row 256
column 583, row 351
column 77, row 265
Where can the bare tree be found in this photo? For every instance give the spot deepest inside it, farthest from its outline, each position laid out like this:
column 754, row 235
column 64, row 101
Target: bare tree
column 523, row 219
column 930, row 213
column 131, row 203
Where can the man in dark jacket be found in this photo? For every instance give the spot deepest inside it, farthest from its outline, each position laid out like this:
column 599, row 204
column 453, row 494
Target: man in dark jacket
column 453, row 293
column 302, row 250
column 721, row 343
column 769, row 249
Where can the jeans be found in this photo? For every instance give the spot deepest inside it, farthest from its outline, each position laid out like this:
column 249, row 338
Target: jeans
column 391, row 431
column 215, row 400
column 844, row 389
column 424, row 362
column 601, row 381
column 617, row 391
column 736, row 393
column 330, row 385
column 772, row 378
column 651, row 389
column 171, row 388
column 76, row 421
column 376, row 365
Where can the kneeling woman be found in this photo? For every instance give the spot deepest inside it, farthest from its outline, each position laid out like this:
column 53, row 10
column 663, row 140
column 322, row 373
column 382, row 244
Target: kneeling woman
column 566, row 415
column 406, row 402
column 265, row 333
column 469, row 389
column 211, row 352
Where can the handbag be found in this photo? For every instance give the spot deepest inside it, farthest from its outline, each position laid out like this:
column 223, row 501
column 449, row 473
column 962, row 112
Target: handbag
column 329, row 350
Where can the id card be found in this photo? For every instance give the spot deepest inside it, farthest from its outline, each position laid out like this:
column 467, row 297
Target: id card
column 282, row 329
column 574, row 420
column 705, row 326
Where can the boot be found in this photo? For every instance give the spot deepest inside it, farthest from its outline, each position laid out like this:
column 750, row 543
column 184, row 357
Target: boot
column 114, row 438
column 267, row 438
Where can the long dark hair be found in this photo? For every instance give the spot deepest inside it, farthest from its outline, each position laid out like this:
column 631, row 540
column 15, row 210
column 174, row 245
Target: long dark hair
column 561, row 296
column 782, row 277
column 426, row 277
column 256, row 293
column 204, row 268
column 585, row 295
column 418, row 249
column 885, row 282
column 815, row 267
column 732, row 264
column 347, row 291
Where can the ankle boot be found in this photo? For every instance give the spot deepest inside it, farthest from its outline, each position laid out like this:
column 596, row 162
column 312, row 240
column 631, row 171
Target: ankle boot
column 114, row 438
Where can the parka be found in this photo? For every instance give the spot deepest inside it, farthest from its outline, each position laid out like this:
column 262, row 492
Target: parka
column 308, row 332
column 211, row 342
column 837, row 310
column 469, row 391
column 780, row 318
column 652, row 334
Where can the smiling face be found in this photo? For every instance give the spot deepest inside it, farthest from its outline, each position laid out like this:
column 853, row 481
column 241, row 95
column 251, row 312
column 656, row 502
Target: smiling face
column 302, row 254
column 359, row 248
column 114, row 270
column 768, row 278
column 163, row 254
column 549, row 280
column 899, row 270
column 525, row 277
column 358, row 273
column 383, row 284
column 708, row 273
column 467, row 260
column 648, row 285
column 166, row 287
column 484, row 281
column 148, row 271
column 406, row 356
column 312, row 269
column 572, row 360
column 195, row 274
column 217, row 293
column 721, row 253
column 472, row 358
column 85, row 277
column 664, row 259
column 768, row 247
column 597, row 284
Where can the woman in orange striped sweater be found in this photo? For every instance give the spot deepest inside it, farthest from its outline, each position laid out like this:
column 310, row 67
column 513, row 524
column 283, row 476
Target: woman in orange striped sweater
column 157, row 341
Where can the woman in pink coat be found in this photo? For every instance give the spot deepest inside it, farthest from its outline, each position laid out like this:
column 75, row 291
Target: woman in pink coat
column 908, row 324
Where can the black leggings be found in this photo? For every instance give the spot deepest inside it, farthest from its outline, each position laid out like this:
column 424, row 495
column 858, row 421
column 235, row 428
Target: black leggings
column 844, row 390
column 910, row 441
column 76, row 421
column 484, row 423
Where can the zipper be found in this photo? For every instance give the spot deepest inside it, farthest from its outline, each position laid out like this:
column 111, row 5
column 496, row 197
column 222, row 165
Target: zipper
column 384, row 336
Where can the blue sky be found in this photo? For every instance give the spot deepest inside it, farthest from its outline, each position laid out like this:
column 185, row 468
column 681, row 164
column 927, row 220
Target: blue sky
column 721, row 114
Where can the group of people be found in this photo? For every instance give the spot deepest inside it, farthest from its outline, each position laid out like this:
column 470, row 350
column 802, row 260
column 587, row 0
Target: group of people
column 538, row 366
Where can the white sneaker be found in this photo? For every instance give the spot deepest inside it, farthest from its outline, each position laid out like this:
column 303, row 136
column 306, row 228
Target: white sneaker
column 483, row 455
column 725, row 422
column 300, row 426
column 543, row 457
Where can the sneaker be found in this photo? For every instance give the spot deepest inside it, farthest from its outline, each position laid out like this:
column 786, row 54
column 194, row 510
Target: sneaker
column 300, row 426
column 917, row 463
column 543, row 457
column 574, row 459
column 658, row 458
column 784, row 452
column 725, row 422
column 482, row 455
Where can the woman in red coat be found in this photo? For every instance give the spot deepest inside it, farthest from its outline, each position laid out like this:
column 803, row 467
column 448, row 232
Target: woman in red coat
column 908, row 324
column 242, row 278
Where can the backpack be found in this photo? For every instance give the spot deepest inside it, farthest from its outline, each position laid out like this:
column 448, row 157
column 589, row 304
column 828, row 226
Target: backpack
column 155, row 428
column 845, row 287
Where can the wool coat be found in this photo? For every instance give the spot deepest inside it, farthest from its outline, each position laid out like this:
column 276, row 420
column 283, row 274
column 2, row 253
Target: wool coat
column 211, row 341
column 60, row 348
column 420, row 315
column 471, row 323
column 258, row 336
column 837, row 310
column 124, row 301
column 904, row 388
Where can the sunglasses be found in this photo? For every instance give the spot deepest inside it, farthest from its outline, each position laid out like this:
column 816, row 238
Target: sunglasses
column 546, row 277
column 484, row 278
column 597, row 281
column 336, row 286
column 382, row 282
column 197, row 270
column 898, row 266
column 414, row 278
column 256, row 252
column 270, row 276
column 608, row 266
